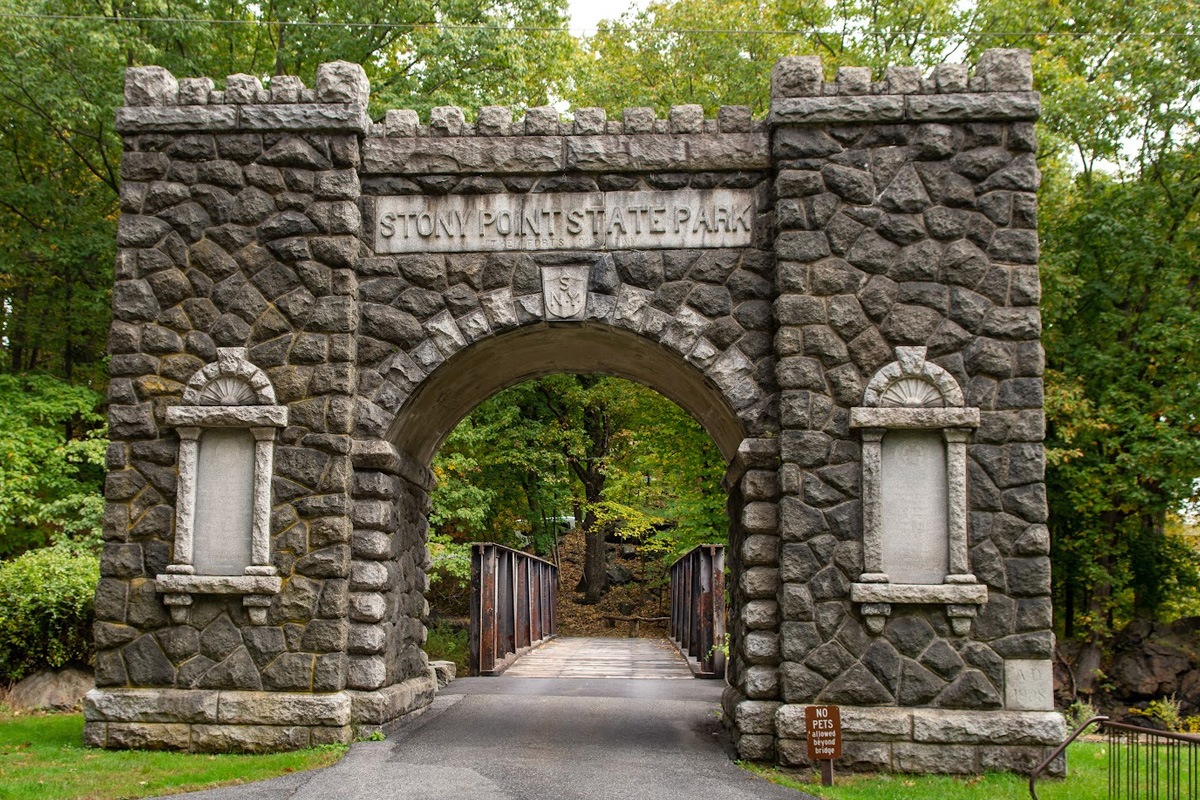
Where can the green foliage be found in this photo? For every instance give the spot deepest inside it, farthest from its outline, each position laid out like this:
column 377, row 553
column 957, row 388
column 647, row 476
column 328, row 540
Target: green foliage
column 44, row 759
column 1078, row 713
column 46, row 598
column 51, row 462
column 446, row 642
column 1121, row 271
column 516, row 465
column 642, row 60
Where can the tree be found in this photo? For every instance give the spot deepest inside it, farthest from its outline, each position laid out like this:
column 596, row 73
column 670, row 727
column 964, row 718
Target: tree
column 61, row 83
column 626, row 459
column 1118, row 223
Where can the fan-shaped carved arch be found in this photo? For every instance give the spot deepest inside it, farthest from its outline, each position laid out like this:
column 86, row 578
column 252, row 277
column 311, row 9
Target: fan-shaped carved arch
column 231, row 380
column 912, row 382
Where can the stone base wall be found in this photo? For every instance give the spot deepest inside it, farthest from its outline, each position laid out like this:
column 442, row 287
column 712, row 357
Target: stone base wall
column 917, row 740
column 218, row 721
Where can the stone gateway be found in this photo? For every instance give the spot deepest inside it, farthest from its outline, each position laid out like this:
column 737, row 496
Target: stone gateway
column 844, row 295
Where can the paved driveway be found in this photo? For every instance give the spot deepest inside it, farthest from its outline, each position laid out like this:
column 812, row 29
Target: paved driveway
column 513, row 738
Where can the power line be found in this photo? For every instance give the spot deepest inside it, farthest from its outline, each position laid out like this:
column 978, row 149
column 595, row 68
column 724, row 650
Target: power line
column 551, row 29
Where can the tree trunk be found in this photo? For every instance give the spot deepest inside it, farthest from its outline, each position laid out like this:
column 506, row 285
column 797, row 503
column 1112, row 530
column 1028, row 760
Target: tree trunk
column 595, row 567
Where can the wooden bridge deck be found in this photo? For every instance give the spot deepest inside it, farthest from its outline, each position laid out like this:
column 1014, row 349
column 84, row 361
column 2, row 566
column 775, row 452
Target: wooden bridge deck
column 584, row 658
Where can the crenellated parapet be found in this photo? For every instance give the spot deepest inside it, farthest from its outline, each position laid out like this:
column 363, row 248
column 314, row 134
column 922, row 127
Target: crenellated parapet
column 156, row 101
column 1000, row 87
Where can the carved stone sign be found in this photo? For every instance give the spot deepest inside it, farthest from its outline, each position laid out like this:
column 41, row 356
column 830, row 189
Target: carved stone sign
column 913, row 509
column 565, row 291
column 224, row 502
column 1028, row 684
column 684, row 218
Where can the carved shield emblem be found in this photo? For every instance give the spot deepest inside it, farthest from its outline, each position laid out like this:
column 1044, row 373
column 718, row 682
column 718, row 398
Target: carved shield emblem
column 565, row 291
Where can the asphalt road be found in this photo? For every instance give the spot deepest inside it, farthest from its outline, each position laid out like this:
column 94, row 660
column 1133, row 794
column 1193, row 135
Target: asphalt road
column 512, row 738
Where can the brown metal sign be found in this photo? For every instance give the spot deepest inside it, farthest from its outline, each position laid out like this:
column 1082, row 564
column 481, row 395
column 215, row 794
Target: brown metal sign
column 823, row 729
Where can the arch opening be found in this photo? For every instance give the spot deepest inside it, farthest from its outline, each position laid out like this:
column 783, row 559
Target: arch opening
column 477, row 372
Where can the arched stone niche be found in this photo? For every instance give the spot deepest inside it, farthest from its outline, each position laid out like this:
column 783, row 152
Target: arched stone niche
column 226, row 427
column 915, row 428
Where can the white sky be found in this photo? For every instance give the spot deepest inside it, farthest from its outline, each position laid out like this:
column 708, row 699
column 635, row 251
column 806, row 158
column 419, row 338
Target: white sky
column 586, row 13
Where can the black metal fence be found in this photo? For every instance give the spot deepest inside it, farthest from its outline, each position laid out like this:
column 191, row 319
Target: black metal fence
column 697, row 626
column 513, row 599
column 1143, row 764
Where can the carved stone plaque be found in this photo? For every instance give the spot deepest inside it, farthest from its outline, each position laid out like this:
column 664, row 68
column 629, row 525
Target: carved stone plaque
column 224, row 502
column 913, row 507
column 564, row 292
column 1028, row 684
column 685, row 218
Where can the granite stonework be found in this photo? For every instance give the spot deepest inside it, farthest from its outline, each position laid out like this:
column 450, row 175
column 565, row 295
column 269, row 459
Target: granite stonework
column 859, row 267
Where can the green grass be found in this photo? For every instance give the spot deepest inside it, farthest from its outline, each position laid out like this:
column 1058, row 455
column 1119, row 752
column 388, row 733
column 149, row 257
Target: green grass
column 1087, row 779
column 42, row 757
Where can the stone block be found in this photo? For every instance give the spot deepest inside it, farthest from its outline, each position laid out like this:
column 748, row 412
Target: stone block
column 590, row 121
column 865, row 757
column 366, row 672
column 734, row 119
column 760, row 517
column 150, row 705
column 1029, row 685
column 987, row 727
column 839, row 110
column 761, row 647
column 760, row 582
column 761, row 682
column 938, row 759
column 797, row 76
column 1004, row 106
column 761, row 615
column 541, row 121
column 756, row 747
column 401, row 122
column 1022, row 760
column 686, row 119
column 760, row 550
column 854, row 80
column 194, row 91
column 760, row 484
column 247, row 738
column 284, row 708
column 150, row 86
column 446, row 121
column 147, row 736
column 756, row 716
column 638, row 120
column 903, row 80
column 792, row 752
column 342, row 82
column 1005, row 70
column 384, row 705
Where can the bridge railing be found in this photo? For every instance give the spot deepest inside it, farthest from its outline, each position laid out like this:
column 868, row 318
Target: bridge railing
column 513, row 600
column 697, row 626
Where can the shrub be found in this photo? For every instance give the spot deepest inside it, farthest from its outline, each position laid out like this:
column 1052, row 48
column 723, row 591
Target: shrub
column 448, row 642
column 46, row 599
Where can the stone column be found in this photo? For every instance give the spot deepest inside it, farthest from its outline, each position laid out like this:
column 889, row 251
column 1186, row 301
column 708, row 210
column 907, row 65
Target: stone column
column 239, row 228
column 905, row 213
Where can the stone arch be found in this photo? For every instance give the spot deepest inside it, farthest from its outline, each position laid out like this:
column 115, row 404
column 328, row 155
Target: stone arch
column 231, row 380
column 684, row 323
column 478, row 371
column 912, row 382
